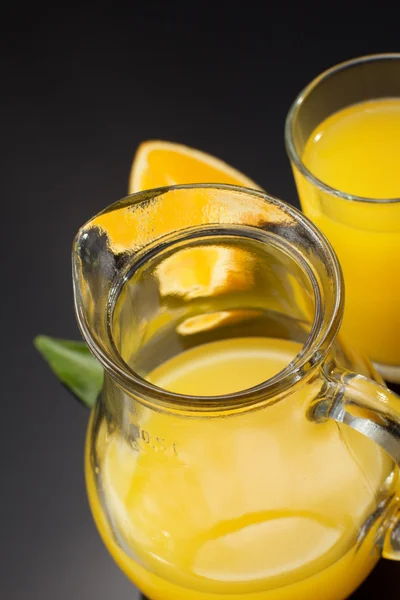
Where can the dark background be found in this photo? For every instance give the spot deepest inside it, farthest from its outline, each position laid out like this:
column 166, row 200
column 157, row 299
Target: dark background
column 80, row 89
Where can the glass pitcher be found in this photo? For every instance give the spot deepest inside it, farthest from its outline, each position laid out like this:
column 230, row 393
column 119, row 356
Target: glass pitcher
column 285, row 490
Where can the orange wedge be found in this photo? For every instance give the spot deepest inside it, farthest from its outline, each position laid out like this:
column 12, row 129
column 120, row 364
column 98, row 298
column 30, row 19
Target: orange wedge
column 159, row 163
column 195, row 272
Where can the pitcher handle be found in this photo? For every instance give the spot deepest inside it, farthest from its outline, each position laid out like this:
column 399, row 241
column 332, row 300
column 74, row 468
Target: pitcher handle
column 373, row 410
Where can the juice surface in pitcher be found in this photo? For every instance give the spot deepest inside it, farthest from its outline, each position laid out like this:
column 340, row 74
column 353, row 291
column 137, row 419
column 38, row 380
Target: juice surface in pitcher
column 218, row 528
column 357, row 151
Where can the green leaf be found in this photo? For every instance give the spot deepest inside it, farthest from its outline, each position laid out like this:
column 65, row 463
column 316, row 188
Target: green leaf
column 74, row 366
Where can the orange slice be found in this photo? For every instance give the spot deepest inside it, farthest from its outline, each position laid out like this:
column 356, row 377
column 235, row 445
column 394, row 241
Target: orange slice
column 196, row 272
column 205, row 271
column 159, row 163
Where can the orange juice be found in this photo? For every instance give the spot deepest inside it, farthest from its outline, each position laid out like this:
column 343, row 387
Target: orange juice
column 237, row 511
column 357, row 151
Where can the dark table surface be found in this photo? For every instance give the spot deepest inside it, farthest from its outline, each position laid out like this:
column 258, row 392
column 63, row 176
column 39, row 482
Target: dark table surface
column 82, row 86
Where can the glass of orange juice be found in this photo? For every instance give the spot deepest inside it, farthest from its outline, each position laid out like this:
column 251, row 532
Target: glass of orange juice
column 343, row 139
column 233, row 451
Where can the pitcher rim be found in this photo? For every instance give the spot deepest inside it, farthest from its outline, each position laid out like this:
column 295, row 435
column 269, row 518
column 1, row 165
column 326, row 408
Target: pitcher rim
column 293, row 112
column 324, row 329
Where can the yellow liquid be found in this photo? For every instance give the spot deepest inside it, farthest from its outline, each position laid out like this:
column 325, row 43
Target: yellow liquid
column 357, row 151
column 262, row 506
